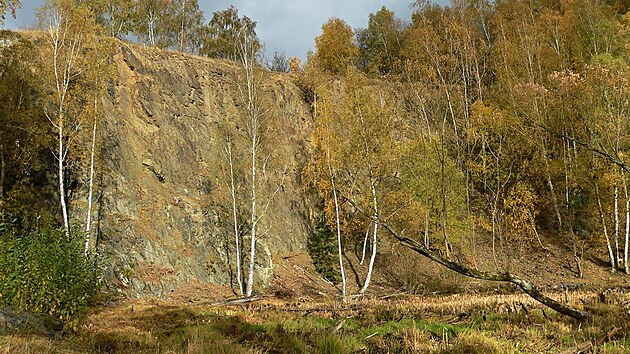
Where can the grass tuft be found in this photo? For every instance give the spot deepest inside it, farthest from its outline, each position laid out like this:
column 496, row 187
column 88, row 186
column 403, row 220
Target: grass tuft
column 330, row 344
column 474, row 343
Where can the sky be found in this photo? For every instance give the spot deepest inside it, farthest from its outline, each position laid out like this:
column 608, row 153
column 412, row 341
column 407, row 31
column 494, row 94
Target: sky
column 283, row 25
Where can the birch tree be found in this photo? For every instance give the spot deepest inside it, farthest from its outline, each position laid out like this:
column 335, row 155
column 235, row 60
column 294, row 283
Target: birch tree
column 256, row 124
column 153, row 22
column 88, row 221
column 68, row 28
column 627, row 230
column 605, row 125
column 358, row 151
column 117, row 17
column 323, row 170
column 249, row 94
column 100, row 72
column 247, row 161
column 223, row 33
column 234, row 191
column 188, row 22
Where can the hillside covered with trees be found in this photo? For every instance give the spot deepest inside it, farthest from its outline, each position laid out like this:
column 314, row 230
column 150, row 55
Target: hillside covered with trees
column 147, row 151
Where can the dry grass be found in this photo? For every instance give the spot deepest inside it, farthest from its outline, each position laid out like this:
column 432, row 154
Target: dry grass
column 14, row 344
column 475, row 342
column 446, row 324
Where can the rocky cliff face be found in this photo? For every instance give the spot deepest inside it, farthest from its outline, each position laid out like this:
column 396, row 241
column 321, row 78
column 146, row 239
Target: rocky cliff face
column 160, row 220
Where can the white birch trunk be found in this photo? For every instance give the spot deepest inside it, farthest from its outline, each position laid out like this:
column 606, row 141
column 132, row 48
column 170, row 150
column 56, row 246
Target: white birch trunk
column 533, row 223
column 551, row 187
column 61, row 81
column 61, row 175
column 444, row 206
column 627, row 238
column 365, row 241
column 339, row 244
column 254, row 221
column 88, row 222
column 182, row 30
column 566, row 178
column 58, row 33
column 152, row 18
column 577, row 256
column 494, row 235
column 616, row 216
column 368, row 277
column 247, row 60
column 3, row 167
column 603, row 220
column 495, row 209
column 426, row 229
column 237, row 241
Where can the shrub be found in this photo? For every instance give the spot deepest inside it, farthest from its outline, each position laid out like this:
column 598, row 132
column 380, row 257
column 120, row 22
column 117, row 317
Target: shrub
column 42, row 271
column 408, row 276
column 322, row 247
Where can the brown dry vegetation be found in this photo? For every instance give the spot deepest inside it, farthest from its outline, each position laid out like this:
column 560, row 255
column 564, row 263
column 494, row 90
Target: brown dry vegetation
column 302, row 313
column 445, row 324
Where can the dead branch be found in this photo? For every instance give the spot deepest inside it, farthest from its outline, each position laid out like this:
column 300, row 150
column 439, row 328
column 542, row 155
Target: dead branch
column 310, row 310
column 599, row 150
column 396, row 294
column 586, row 347
column 507, row 277
column 526, row 286
column 240, row 301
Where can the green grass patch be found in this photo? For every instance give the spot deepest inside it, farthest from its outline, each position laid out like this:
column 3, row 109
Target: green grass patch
column 331, row 344
column 242, row 331
column 308, row 324
column 183, row 329
column 616, row 347
column 436, row 329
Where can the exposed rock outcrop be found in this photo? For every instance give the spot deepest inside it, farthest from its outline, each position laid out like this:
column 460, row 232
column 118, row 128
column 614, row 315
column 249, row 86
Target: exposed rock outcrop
column 21, row 321
column 160, row 218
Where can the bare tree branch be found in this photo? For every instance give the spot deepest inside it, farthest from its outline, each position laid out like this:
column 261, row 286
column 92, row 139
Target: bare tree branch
column 526, row 286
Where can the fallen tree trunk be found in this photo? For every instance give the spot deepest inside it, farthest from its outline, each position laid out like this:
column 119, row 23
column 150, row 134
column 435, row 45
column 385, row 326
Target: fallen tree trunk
column 526, row 286
column 239, row 301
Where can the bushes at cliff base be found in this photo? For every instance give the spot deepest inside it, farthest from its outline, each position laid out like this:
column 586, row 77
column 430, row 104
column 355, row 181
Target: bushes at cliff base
column 43, row 271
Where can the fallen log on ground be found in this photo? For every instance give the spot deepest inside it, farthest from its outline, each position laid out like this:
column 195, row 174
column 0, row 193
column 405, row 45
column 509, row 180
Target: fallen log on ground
column 507, row 277
column 239, row 301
